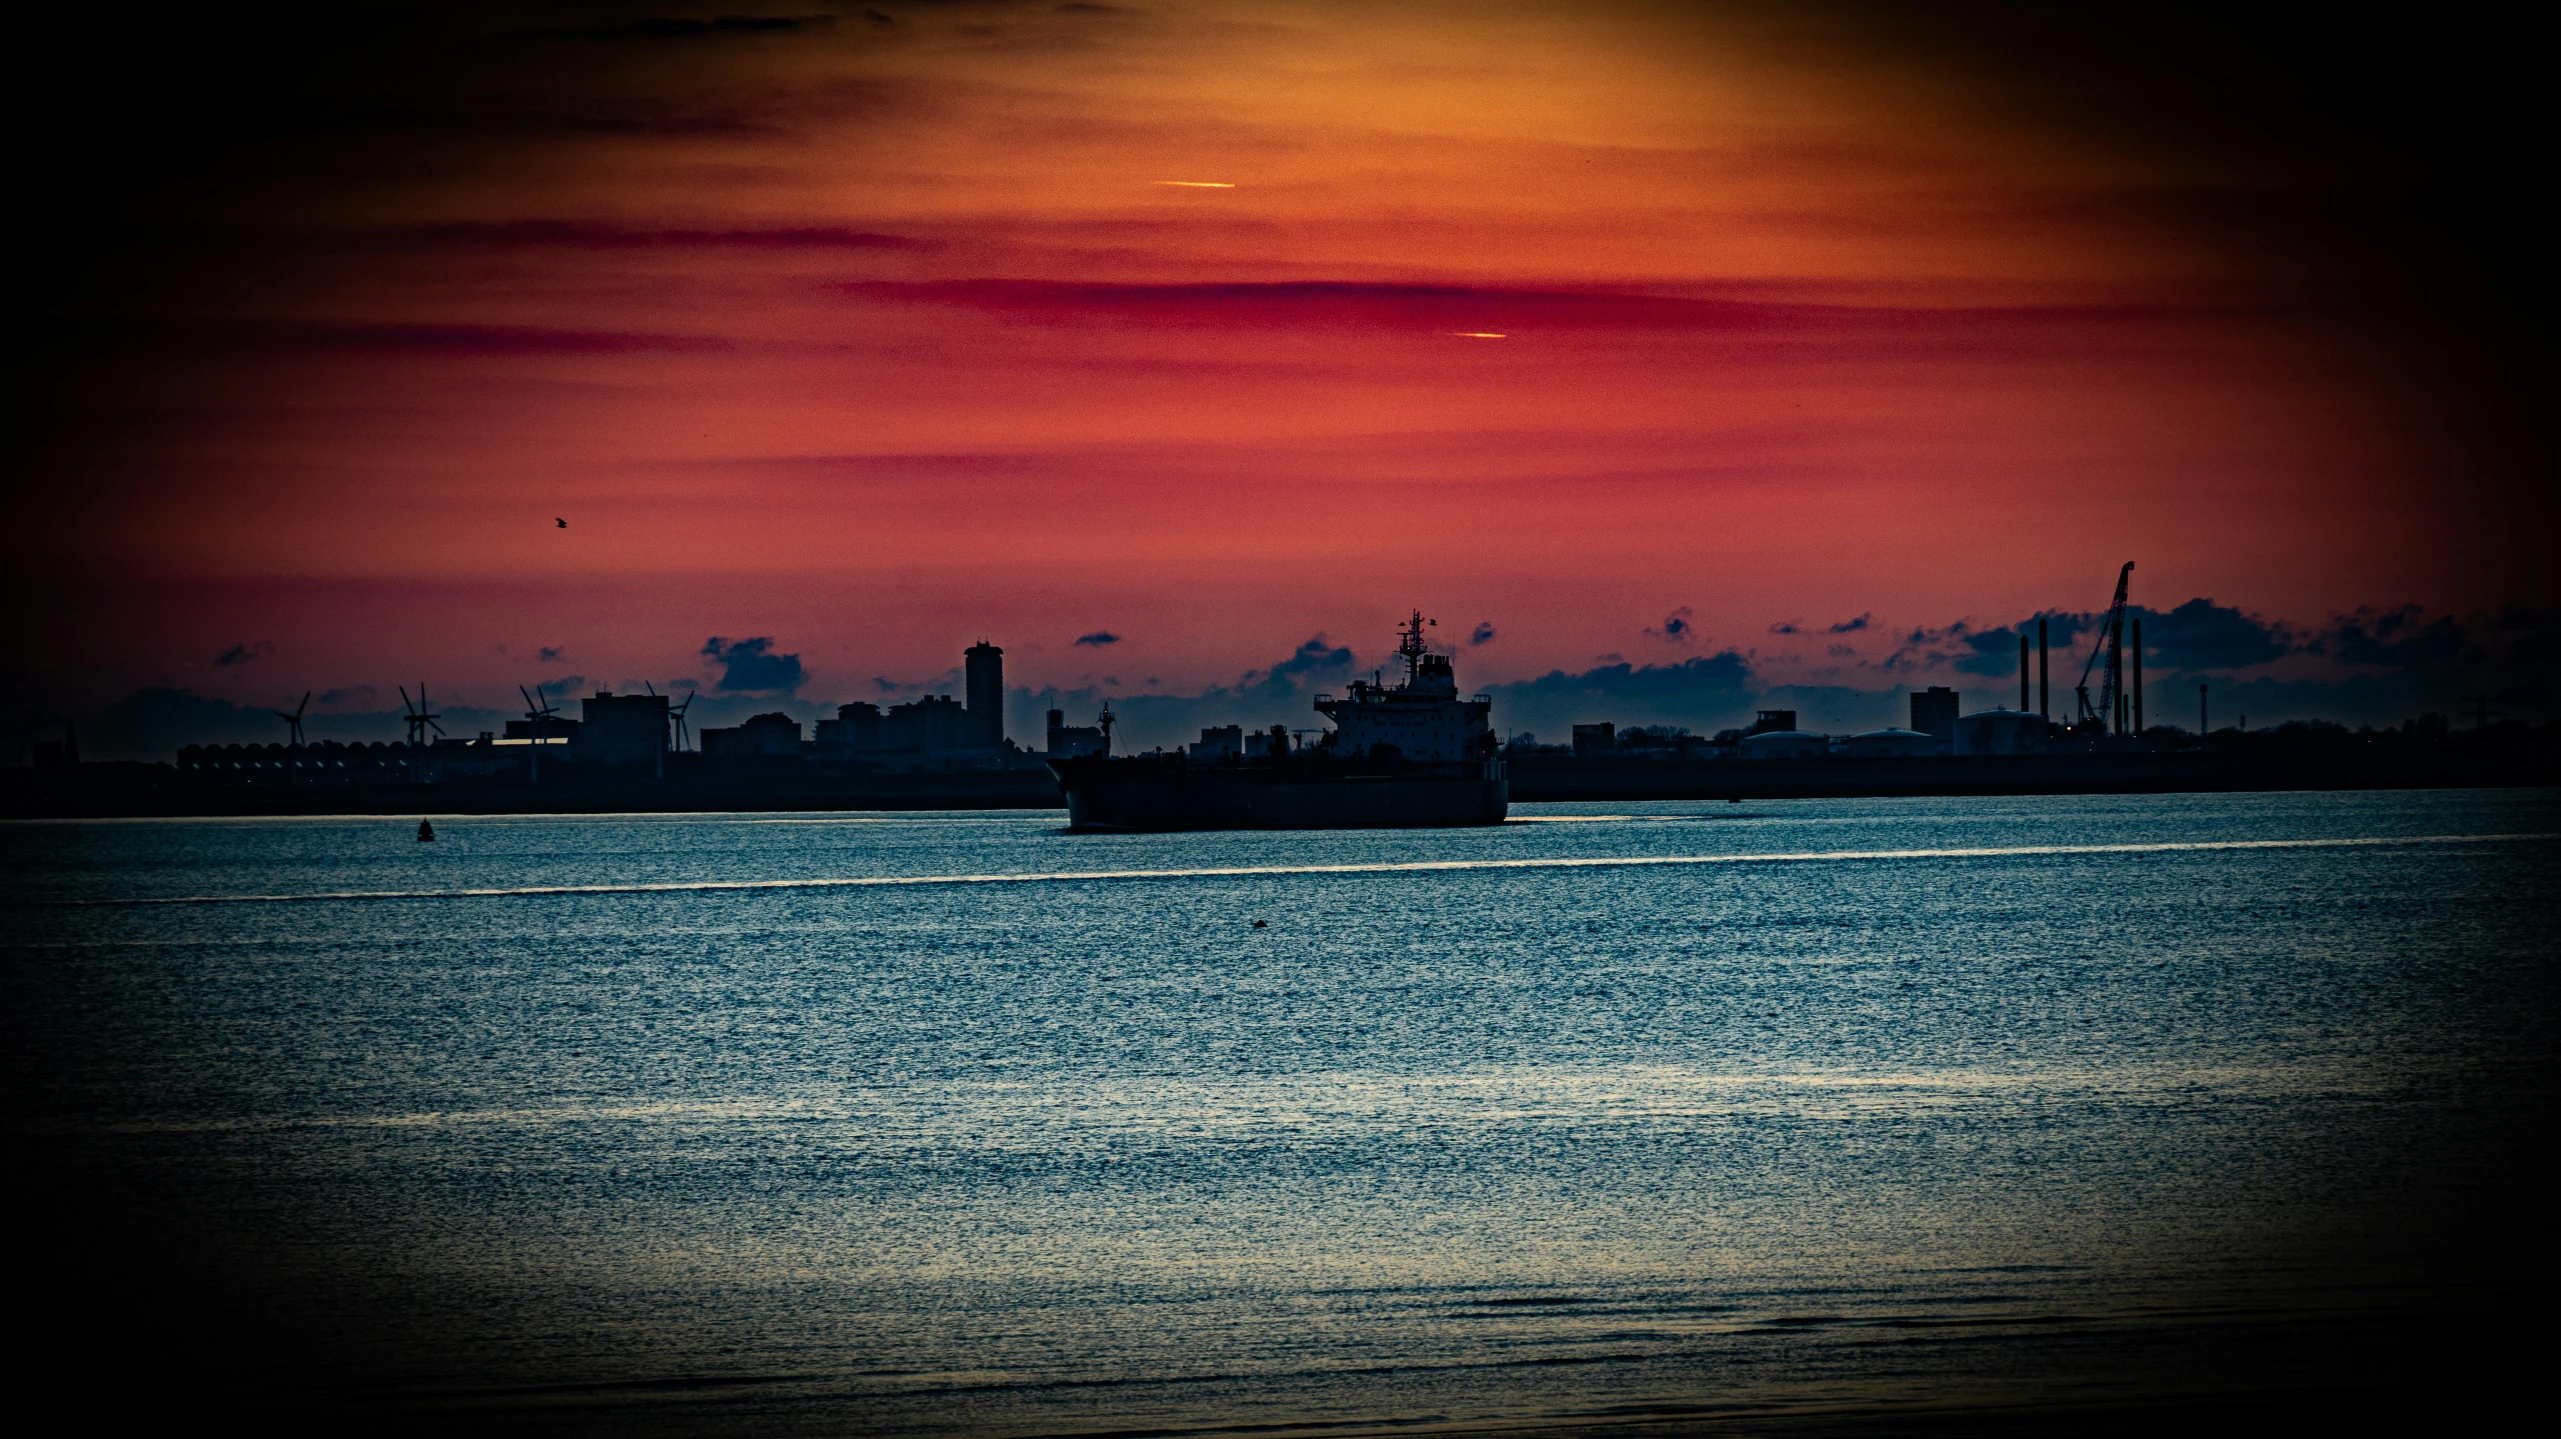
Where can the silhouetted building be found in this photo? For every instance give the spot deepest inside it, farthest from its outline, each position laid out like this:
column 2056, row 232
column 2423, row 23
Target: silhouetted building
column 554, row 731
column 932, row 722
column 1225, row 742
column 624, row 730
column 855, row 729
column 770, row 736
column 1771, row 722
column 1066, row 740
column 1592, row 739
column 983, row 666
column 1934, row 713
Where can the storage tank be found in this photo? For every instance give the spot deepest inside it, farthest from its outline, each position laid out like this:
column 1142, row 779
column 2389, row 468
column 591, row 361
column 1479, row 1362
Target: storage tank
column 1891, row 744
column 1786, row 744
column 2000, row 731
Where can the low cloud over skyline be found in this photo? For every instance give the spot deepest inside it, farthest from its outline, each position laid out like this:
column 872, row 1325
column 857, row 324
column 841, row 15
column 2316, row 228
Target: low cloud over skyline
column 753, row 666
column 2375, row 665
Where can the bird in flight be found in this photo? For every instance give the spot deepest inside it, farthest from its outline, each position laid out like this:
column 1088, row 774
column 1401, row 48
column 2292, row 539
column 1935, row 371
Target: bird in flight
column 564, row 524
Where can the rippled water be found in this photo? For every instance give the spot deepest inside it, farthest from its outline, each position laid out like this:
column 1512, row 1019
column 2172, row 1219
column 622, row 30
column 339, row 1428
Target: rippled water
column 1652, row 1111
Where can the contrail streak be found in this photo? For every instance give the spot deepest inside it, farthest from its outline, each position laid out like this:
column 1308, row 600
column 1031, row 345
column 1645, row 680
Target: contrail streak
column 1422, row 866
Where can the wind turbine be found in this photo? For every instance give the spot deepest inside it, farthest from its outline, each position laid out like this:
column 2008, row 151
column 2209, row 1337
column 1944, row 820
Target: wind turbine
column 539, row 712
column 417, row 717
column 675, row 715
column 293, row 722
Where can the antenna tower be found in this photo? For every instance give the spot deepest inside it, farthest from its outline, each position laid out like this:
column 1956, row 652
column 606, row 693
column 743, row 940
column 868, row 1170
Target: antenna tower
column 1410, row 645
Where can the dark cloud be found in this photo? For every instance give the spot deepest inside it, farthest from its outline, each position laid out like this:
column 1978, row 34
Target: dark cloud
column 2201, row 635
column 349, row 694
column 1704, row 692
column 752, row 665
column 1483, row 633
column 676, row 28
column 552, row 654
column 155, row 722
column 584, row 235
column 1678, row 627
column 243, row 654
column 1329, row 304
column 1315, row 659
column 2398, row 638
column 1783, row 627
column 1098, row 639
column 1959, row 646
column 451, row 339
column 1847, row 627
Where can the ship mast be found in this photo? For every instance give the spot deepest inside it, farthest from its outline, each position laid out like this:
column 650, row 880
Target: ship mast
column 1411, row 646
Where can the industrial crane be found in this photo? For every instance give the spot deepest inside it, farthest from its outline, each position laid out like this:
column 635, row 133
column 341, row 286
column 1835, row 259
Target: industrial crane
column 2109, row 715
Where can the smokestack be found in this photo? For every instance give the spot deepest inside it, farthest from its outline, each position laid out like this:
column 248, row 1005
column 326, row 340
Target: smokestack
column 2044, row 692
column 2022, row 669
column 2138, row 677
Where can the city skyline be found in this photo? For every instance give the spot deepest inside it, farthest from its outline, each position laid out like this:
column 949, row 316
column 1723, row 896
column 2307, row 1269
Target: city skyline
column 2368, row 669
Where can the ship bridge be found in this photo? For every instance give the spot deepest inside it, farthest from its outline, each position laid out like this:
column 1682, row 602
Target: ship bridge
column 1423, row 718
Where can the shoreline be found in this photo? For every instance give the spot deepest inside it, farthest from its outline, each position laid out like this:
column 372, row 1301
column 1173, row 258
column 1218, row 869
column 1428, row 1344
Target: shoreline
column 133, row 790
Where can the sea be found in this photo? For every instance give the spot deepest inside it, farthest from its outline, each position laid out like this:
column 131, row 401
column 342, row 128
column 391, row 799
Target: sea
column 1659, row 1117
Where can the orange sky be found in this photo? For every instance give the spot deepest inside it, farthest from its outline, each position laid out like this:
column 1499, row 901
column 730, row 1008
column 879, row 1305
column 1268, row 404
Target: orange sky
column 877, row 337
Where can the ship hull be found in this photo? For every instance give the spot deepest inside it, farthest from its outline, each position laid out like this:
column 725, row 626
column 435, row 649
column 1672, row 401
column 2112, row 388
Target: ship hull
column 1140, row 794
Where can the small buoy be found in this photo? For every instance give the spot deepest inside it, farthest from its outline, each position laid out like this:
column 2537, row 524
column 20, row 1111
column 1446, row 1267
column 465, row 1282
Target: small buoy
column 426, row 831
column 1258, row 924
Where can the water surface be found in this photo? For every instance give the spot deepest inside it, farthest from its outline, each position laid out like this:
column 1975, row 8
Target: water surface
column 1671, row 1112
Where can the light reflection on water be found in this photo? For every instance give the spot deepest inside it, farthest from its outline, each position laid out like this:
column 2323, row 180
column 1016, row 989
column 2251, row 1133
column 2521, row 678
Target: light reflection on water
column 1489, row 1144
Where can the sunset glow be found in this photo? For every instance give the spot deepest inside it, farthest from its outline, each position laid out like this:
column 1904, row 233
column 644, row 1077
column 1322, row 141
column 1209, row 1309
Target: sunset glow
column 859, row 335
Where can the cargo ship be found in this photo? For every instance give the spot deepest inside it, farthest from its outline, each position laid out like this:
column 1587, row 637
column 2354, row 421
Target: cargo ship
column 1411, row 755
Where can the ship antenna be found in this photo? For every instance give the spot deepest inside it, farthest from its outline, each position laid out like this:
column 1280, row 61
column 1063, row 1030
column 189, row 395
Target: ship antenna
column 1106, row 723
column 1411, row 646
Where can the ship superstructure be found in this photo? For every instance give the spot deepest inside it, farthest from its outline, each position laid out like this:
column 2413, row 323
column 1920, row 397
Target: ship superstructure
column 1400, row 756
column 1422, row 719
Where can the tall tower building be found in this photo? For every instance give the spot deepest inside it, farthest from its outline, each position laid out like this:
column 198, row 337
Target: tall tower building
column 984, row 667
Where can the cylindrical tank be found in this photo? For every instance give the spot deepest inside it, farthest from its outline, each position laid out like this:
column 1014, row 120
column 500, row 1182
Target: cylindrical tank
column 1890, row 744
column 2000, row 731
column 1786, row 744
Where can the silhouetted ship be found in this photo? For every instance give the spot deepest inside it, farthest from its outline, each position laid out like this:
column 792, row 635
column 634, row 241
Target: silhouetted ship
column 1404, row 756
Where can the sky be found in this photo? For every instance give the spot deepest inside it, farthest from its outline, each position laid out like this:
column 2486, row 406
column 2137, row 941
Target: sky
column 1672, row 357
